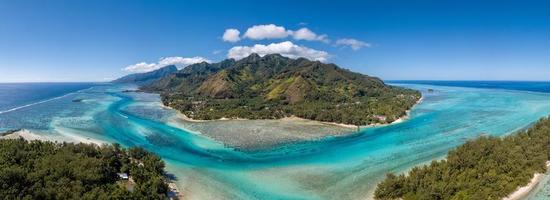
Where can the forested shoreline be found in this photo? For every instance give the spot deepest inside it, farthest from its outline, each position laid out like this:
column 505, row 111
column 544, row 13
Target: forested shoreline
column 484, row 168
column 48, row 170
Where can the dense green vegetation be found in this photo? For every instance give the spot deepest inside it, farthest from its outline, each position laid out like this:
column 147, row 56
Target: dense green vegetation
column 485, row 168
column 274, row 86
column 46, row 170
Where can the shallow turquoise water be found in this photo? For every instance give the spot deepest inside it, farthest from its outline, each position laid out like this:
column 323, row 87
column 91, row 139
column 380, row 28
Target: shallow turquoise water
column 333, row 168
column 542, row 190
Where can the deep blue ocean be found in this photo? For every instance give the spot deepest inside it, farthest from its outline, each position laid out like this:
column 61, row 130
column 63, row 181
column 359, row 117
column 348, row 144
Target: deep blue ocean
column 347, row 167
column 533, row 86
column 14, row 95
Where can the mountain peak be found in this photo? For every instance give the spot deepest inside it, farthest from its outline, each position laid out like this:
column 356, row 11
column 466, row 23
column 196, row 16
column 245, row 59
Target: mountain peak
column 253, row 57
column 274, row 86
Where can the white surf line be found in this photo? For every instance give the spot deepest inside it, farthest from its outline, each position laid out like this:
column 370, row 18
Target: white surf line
column 40, row 102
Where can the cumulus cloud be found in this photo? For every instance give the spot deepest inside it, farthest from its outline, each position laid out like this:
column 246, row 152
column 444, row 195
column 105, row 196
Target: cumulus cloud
column 231, row 35
column 287, row 49
column 179, row 62
column 141, row 67
column 306, row 34
column 272, row 31
column 352, row 43
column 268, row 31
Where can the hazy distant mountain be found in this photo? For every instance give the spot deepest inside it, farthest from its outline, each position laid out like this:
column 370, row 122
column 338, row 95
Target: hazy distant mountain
column 274, row 86
column 147, row 77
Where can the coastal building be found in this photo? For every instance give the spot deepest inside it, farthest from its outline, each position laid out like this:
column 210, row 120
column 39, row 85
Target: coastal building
column 380, row 117
column 123, row 176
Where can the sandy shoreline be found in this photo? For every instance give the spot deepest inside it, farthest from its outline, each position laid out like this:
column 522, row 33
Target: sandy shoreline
column 30, row 136
column 294, row 118
column 258, row 134
column 397, row 121
column 523, row 191
column 25, row 134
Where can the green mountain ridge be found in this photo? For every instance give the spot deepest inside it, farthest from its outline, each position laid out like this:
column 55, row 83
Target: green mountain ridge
column 274, row 86
column 147, row 77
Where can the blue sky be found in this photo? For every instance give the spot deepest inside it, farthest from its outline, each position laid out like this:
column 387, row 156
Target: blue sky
column 437, row 40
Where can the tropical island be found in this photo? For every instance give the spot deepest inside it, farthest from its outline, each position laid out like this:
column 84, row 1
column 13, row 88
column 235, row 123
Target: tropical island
column 275, row 87
column 50, row 170
column 484, row 168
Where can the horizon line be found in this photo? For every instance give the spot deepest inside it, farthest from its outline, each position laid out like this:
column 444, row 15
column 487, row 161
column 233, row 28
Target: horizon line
column 385, row 80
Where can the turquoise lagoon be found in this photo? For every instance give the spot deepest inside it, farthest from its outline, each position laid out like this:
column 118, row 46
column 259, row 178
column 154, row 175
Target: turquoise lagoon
column 332, row 168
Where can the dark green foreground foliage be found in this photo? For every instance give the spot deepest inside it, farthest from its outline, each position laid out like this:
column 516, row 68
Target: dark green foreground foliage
column 46, row 170
column 485, row 168
column 274, row 86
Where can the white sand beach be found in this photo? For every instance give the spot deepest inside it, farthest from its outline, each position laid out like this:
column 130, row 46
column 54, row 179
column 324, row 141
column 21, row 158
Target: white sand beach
column 25, row 134
column 246, row 134
column 522, row 192
column 64, row 136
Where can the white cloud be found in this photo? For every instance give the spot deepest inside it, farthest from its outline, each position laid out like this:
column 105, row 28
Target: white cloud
column 272, row 31
column 141, row 67
column 306, row 34
column 231, row 35
column 268, row 31
column 352, row 43
column 179, row 62
column 287, row 49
